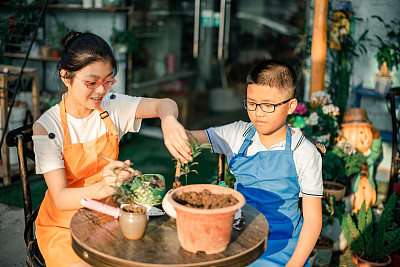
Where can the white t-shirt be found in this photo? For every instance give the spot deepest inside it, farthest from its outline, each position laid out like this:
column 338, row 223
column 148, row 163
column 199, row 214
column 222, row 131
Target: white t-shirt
column 49, row 152
column 228, row 139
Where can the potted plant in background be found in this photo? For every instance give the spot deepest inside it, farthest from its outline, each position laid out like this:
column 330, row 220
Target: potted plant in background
column 339, row 167
column 393, row 225
column 124, row 41
column 369, row 238
column 343, row 50
column 317, row 119
column 56, row 37
column 20, row 26
column 388, row 55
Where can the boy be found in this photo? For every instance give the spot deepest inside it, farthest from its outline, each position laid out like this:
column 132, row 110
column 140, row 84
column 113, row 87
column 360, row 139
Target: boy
column 274, row 165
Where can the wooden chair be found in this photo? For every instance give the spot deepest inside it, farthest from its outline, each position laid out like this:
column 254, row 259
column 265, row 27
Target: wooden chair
column 21, row 138
column 393, row 98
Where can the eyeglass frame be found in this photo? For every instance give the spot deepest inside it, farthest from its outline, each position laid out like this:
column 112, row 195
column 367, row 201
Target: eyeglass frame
column 99, row 82
column 259, row 105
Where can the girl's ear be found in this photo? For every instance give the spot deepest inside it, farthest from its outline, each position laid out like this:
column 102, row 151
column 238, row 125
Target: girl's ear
column 292, row 105
column 63, row 75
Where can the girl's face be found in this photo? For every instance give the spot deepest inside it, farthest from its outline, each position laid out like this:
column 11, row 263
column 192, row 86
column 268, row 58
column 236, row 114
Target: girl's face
column 80, row 100
column 268, row 124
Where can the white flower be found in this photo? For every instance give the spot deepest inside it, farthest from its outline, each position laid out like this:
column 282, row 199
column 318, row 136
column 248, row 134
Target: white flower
column 312, row 119
column 347, row 147
column 330, row 110
column 320, row 98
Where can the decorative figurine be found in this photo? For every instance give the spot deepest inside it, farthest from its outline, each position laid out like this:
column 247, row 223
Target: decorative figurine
column 358, row 130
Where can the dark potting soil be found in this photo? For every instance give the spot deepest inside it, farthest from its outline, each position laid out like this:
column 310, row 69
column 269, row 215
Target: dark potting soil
column 324, row 241
column 156, row 182
column 332, row 186
column 206, row 200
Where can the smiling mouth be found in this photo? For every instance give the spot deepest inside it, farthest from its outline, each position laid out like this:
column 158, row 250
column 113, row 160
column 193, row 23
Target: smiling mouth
column 96, row 98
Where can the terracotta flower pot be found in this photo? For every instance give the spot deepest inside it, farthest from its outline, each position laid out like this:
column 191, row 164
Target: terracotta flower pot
column 364, row 263
column 207, row 230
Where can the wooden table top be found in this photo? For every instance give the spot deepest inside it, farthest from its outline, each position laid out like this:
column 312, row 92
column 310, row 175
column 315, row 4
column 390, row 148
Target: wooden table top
column 98, row 240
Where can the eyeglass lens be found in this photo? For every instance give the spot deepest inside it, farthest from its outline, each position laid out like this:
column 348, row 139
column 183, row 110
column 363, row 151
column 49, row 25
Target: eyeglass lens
column 251, row 106
column 94, row 85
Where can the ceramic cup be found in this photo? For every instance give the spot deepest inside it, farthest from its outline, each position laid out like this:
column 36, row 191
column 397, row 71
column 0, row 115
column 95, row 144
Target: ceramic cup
column 133, row 221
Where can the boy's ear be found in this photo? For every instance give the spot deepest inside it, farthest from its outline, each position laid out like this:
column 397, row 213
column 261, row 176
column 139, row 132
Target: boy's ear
column 292, row 105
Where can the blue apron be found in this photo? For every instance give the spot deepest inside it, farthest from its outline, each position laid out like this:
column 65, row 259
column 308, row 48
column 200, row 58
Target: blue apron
column 269, row 182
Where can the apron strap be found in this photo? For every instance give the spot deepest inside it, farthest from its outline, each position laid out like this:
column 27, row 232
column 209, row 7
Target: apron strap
column 246, row 143
column 64, row 122
column 288, row 139
column 107, row 121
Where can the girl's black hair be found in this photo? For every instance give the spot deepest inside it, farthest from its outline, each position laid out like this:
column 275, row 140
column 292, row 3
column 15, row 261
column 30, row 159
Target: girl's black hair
column 81, row 49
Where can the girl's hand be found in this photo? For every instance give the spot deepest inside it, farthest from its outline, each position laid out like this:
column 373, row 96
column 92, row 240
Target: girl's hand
column 113, row 175
column 176, row 139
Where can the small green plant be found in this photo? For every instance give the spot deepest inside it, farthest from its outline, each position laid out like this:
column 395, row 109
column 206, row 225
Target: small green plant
column 332, row 209
column 146, row 189
column 195, row 148
column 368, row 238
column 125, row 41
column 389, row 49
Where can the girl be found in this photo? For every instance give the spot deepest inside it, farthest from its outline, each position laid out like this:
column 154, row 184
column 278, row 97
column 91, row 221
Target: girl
column 89, row 121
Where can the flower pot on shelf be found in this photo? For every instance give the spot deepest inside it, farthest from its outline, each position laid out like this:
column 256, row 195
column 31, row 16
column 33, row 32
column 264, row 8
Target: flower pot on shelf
column 334, row 188
column 205, row 229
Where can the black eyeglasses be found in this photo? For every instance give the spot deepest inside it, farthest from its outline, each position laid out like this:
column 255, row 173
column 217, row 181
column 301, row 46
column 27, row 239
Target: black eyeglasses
column 266, row 107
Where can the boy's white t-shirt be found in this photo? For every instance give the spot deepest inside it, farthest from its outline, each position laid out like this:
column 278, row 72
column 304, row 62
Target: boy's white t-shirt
column 49, row 151
column 228, row 139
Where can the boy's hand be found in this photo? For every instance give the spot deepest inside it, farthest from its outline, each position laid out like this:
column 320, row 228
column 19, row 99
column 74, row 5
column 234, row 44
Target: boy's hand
column 176, row 139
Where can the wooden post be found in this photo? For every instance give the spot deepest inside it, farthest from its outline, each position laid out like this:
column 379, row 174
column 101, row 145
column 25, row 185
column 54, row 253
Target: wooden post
column 318, row 45
column 5, row 154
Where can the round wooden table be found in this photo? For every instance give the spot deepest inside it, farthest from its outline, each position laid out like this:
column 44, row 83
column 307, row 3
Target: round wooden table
column 98, row 240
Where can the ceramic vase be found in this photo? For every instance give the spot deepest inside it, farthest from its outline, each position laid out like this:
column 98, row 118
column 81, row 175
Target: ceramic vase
column 133, row 221
column 205, row 230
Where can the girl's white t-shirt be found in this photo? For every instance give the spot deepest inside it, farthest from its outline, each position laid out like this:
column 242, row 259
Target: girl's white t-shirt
column 228, row 139
column 49, row 151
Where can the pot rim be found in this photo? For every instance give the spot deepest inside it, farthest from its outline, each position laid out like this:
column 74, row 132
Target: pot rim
column 198, row 188
column 389, row 260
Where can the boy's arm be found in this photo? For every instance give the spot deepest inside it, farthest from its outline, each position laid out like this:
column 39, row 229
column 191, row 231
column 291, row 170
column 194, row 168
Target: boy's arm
column 312, row 225
column 200, row 135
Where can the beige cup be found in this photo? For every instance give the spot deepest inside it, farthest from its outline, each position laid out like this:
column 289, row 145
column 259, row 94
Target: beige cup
column 133, row 221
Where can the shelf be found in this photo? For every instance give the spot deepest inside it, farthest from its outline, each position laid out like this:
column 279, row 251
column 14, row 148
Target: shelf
column 167, row 78
column 78, row 7
column 22, row 55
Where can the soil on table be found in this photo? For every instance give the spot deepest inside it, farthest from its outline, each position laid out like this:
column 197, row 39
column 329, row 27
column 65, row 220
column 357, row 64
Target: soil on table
column 206, row 200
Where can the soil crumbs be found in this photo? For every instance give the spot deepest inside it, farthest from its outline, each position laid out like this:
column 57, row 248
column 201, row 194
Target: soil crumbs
column 206, row 200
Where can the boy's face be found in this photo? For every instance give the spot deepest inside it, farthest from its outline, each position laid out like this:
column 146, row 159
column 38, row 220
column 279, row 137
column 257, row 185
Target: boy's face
column 269, row 123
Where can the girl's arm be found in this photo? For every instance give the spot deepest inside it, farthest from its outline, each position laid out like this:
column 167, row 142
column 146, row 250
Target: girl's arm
column 66, row 198
column 312, row 224
column 175, row 137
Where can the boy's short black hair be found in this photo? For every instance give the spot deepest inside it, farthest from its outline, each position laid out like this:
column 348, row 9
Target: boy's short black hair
column 274, row 73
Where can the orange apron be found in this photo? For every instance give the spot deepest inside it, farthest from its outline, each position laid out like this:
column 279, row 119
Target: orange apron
column 83, row 167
